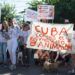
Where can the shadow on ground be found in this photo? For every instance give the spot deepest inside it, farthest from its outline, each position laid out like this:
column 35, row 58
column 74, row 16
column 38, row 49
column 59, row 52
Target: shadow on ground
column 32, row 70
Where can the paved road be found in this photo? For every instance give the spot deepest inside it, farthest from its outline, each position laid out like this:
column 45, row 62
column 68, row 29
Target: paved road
column 32, row 70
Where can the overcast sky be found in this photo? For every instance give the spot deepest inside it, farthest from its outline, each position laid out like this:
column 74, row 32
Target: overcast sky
column 19, row 4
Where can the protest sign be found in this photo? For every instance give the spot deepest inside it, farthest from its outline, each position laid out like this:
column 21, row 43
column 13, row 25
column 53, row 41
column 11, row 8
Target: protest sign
column 30, row 15
column 45, row 12
column 50, row 36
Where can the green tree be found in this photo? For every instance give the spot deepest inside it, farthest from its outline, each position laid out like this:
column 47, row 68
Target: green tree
column 63, row 9
column 7, row 11
column 50, row 1
column 33, row 4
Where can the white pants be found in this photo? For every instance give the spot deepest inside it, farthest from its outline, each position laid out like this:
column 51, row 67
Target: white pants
column 12, row 45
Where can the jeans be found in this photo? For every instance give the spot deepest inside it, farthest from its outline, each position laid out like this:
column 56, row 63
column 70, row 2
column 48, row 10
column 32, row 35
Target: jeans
column 4, row 46
column 3, row 55
column 12, row 45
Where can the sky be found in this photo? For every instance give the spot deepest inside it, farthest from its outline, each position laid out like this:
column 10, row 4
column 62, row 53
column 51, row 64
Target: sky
column 20, row 5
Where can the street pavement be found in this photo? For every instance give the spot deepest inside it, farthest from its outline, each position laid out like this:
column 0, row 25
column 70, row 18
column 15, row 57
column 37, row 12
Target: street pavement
column 33, row 70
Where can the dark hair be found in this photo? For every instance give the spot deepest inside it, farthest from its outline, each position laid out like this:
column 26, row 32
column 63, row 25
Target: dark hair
column 10, row 19
column 28, row 22
column 25, row 25
column 3, row 26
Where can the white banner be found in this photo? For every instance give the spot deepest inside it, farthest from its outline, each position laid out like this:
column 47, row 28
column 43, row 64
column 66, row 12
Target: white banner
column 50, row 36
column 45, row 11
column 30, row 15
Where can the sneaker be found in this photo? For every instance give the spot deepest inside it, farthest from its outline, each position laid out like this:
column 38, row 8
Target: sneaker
column 72, row 71
column 12, row 67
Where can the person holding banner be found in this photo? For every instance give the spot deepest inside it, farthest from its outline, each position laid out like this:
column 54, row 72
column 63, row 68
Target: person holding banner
column 44, row 57
column 36, row 57
column 26, row 51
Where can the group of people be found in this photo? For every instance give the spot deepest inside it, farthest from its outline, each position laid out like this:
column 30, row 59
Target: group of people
column 10, row 34
column 41, row 56
column 12, row 37
column 52, row 60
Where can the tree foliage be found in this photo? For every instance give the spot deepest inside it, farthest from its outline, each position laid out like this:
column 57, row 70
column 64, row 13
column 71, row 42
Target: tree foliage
column 63, row 9
column 33, row 4
column 7, row 11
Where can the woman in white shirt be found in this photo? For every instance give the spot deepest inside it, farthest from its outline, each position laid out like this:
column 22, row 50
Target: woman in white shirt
column 12, row 43
column 4, row 40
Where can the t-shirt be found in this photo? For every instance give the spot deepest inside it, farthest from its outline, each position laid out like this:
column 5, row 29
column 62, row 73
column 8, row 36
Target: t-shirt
column 2, row 36
column 25, row 36
column 36, row 56
column 5, row 36
column 14, row 32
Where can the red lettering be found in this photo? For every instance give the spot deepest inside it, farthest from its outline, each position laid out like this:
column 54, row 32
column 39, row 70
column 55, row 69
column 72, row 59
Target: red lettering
column 33, row 41
column 53, row 31
column 68, row 47
column 62, row 43
column 53, row 45
column 40, row 44
column 61, row 38
column 37, row 28
column 60, row 47
column 63, row 31
column 46, row 43
column 43, row 33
